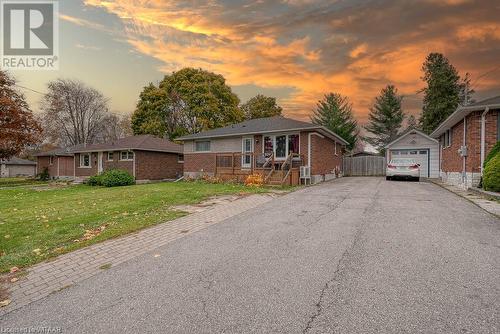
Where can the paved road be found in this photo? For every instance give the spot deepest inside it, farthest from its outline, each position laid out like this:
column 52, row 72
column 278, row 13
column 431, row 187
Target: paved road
column 358, row 255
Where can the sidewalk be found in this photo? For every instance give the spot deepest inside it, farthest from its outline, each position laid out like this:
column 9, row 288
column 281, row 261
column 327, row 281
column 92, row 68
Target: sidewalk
column 486, row 204
column 68, row 269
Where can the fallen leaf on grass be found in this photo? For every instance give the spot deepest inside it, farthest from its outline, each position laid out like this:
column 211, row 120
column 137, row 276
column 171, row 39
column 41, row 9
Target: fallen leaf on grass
column 14, row 269
column 7, row 236
column 5, row 302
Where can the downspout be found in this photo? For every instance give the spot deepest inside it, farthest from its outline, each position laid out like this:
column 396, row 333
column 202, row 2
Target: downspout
column 309, row 149
column 483, row 136
column 464, row 156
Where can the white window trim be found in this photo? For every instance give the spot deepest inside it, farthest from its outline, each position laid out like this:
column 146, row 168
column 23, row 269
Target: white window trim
column 51, row 160
column 245, row 153
column 335, row 145
column 273, row 136
column 81, row 160
column 199, row 141
column 128, row 159
column 107, row 156
column 179, row 158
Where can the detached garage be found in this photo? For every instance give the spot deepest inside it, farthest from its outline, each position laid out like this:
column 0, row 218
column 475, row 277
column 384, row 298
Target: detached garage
column 417, row 145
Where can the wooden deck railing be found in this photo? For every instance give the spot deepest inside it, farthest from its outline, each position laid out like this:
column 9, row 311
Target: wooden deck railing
column 233, row 164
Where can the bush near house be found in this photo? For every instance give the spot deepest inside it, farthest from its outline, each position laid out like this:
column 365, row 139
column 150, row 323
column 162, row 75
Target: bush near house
column 494, row 151
column 491, row 175
column 112, row 178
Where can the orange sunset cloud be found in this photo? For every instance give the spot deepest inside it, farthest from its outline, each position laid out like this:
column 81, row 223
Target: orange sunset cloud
column 316, row 47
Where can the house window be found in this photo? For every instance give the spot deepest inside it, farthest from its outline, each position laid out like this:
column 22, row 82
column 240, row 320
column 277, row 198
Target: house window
column 110, row 156
column 281, row 145
column 51, row 160
column 335, row 147
column 293, row 144
column 180, row 158
column 447, row 138
column 202, row 146
column 85, row 160
column 268, row 146
column 126, row 155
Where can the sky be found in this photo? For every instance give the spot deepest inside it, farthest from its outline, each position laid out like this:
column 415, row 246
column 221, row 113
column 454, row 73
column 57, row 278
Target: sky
column 294, row 50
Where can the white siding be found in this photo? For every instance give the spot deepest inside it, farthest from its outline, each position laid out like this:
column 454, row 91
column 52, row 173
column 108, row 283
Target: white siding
column 415, row 141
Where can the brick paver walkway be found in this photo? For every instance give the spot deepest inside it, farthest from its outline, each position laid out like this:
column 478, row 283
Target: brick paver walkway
column 71, row 268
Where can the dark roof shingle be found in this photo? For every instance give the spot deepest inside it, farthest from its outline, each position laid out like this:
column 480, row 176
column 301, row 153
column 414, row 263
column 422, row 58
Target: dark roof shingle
column 142, row 142
column 258, row 125
column 17, row 161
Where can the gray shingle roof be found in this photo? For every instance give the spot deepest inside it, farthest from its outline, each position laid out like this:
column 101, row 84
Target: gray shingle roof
column 142, row 142
column 17, row 161
column 461, row 112
column 490, row 101
column 258, row 125
column 65, row 151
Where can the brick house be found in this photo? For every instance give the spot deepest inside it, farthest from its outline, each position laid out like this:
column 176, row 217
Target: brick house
column 59, row 162
column 145, row 157
column 275, row 147
column 466, row 137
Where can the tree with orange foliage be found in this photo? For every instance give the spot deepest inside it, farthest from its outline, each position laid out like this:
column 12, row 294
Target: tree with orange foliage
column 18, row 127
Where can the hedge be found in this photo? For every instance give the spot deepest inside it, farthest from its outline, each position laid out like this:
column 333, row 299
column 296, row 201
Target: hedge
column 491, row 175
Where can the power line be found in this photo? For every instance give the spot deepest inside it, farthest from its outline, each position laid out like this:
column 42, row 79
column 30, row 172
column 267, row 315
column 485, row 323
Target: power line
column 45, row 94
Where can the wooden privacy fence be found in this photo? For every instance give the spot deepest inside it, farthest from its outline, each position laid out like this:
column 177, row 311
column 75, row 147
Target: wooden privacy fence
column 364, row 166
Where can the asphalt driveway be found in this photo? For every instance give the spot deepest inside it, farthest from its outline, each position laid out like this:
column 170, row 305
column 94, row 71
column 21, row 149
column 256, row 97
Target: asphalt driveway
column 358, row 255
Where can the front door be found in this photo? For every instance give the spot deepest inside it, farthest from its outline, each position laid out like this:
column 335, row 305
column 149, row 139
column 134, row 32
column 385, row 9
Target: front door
column 246, row 152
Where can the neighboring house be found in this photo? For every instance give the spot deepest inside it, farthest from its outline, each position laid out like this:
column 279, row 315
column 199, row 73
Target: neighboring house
column 419, row 146
column 145, row 157
column 466, row 137
column 275, row 147
column 58, row 162
column 17, row 167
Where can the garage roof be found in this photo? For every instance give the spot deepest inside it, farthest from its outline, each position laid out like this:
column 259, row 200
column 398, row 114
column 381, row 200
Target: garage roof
column 408, row 132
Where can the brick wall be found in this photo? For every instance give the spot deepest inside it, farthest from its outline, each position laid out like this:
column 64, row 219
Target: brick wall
column 116, row 163
column 451, row 159
column 199, row 162
column 85, row 171
column 65, row 165
column 323, row 158
column 157, row 165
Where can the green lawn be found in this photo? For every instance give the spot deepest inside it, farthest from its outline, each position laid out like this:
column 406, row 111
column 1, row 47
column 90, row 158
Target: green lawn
column 37, row 223
column 18, row 181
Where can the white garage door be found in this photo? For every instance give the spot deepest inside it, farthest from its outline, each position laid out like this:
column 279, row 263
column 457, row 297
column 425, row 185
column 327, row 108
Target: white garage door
column 421, row 156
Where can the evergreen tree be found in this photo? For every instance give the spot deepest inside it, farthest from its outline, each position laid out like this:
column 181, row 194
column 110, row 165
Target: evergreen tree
column 386, row 117
column 335, row 113
column 443, row 93
column 411, row 123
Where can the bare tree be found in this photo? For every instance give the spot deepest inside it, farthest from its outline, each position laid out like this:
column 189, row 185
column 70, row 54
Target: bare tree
column 115, row 127
column 74, row 113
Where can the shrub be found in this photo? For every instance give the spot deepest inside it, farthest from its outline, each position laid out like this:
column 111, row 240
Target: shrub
column 491, row 175
column 116, row 177
column 44, row 175
column 94, row 180
column 111, row 178
column 254, row 180
column 494, row 151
